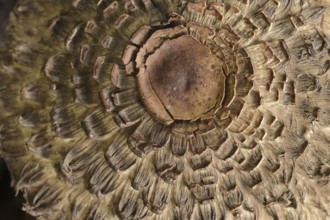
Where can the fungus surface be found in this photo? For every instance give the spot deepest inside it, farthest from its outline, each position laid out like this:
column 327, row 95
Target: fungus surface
column 168, row 109
column 186, row 78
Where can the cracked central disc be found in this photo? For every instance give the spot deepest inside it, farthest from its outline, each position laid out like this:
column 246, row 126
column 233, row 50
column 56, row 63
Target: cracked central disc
column 182, row 80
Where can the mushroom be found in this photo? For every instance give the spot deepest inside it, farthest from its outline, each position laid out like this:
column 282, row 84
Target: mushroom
column 168, row 109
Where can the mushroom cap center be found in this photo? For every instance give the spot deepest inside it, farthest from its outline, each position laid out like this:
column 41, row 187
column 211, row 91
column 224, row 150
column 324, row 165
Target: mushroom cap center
column 186, row 80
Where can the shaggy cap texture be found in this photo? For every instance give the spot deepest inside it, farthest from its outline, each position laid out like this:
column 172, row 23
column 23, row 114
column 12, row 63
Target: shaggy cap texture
column 168, row 109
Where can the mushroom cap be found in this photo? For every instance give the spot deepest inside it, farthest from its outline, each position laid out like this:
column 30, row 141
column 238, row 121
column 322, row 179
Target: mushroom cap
column 168, row 109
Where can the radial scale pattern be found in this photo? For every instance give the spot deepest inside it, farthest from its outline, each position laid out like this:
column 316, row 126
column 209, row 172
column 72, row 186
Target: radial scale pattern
column 168, row 109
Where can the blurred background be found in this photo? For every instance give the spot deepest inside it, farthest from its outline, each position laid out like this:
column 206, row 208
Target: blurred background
column 10, row 205
column 5, row 7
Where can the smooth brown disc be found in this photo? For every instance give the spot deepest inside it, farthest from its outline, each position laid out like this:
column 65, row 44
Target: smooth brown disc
column 185, row 77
